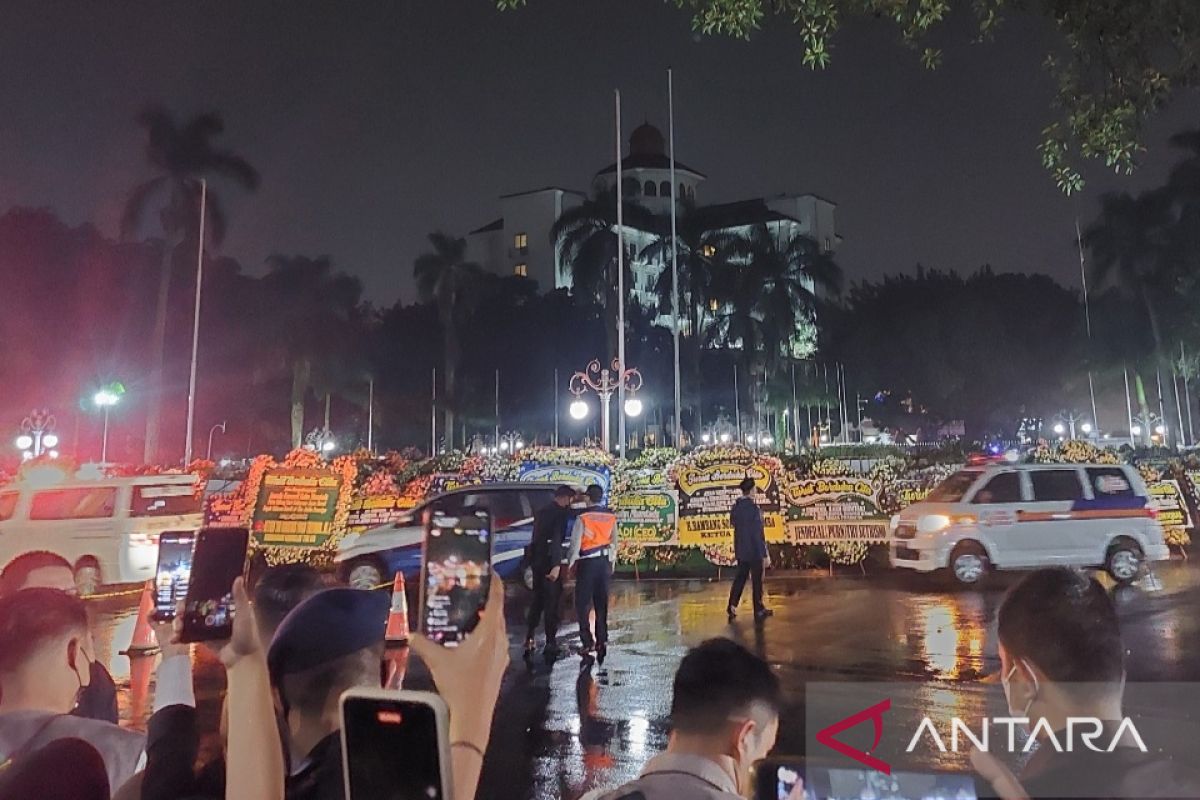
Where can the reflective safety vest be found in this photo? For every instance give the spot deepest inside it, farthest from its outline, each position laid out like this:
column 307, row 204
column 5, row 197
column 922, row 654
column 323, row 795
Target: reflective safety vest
column 598, row 528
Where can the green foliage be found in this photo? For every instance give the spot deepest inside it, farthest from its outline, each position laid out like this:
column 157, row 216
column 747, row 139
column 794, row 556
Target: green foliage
column 1123, row 59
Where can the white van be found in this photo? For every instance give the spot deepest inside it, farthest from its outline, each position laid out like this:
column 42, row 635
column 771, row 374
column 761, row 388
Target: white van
column 1018, row 516
column 107, row 528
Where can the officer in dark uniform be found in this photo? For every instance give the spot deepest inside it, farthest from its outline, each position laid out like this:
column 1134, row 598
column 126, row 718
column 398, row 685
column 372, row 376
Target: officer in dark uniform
column 551, row 525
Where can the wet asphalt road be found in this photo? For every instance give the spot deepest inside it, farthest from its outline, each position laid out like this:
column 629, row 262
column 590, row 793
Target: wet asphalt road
column 559, row 732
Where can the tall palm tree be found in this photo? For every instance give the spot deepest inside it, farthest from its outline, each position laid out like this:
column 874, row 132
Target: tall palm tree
column 586, row 239
column 310, row 325
column 453, row 284
column 766, row 291
column 700, row 252
column 181, row 155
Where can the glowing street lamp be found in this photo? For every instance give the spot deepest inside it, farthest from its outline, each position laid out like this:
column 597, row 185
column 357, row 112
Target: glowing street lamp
column 105, row 399
column 605, row 382
column 510, row 442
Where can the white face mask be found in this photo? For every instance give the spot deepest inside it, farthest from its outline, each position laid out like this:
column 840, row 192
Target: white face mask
column 1004, row 681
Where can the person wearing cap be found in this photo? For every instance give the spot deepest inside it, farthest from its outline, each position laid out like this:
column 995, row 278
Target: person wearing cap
column 331, row 642
column 550, row 528
column 593, row 555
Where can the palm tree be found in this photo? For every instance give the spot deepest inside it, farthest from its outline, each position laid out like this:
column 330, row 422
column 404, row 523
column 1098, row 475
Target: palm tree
column 310, row 325
column 453, row 284
column 181, row 155
column 765, row 292
column 700, row 252
column 586, row 239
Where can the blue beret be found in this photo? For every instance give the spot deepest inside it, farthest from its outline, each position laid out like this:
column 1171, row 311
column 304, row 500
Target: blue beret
column 325, row 627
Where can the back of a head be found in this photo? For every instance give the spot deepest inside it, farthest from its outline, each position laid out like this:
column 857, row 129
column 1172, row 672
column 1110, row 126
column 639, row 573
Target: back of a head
column 41, row 773
column 1063, row 622
column 747, row 485
column 720, row 680
column 595, row 494
column 16, row 574
column 32, row 618
column 280, row 589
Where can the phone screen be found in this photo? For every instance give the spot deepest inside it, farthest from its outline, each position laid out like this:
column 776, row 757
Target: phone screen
column 795, row 780
column 219, row 557
column 173, row 572
column 455, row 574
column 391, row 749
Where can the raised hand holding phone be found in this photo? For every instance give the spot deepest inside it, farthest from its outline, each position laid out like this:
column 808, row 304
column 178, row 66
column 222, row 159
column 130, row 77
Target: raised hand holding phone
column 455, row 573
column 218, row 559
column 395, row 744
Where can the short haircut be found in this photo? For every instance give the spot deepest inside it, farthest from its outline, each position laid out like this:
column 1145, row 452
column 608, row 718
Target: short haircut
column 280, row 589
column 720, row 680
column 747, row 485
column 307, row 692
column 565, row 491
column 595, row 493
column 20, row 568
column 31, row 617
column 1064, row 622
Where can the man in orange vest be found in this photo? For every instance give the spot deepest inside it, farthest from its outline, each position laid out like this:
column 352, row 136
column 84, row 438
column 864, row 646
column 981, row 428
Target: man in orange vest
column 593, row 555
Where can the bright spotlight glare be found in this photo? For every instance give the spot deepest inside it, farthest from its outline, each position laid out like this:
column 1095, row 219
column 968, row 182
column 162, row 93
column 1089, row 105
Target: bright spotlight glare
column 1058, row 427
column 105, row 397
column 633, row 407
column 579, row 409
column 328, row 445
column 50, row 440
column 724, row 438
column 1136, row 430
column 1160, row 429
column 1086, row 427
column 24, row 441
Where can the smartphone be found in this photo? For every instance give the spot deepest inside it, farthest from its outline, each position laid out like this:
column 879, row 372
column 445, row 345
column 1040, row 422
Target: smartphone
column 794, row 778
column 173, row 572
column 218, row 558
column 395, row 745
column 456, row 571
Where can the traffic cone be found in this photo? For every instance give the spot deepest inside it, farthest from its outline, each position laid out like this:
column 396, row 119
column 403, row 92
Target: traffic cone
column 141, row 668
column 143, row 640
column 397, row 624
column 395, row 663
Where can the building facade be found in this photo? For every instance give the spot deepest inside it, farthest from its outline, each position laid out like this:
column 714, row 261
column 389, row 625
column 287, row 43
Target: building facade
column 519, row 241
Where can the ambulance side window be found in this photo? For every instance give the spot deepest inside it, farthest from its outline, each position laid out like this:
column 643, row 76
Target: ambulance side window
column 1056, row 485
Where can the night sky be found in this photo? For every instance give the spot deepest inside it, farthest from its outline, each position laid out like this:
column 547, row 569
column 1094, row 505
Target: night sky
column 375, row 122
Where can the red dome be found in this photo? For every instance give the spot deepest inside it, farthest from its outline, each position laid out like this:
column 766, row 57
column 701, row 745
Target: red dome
column 647, row 140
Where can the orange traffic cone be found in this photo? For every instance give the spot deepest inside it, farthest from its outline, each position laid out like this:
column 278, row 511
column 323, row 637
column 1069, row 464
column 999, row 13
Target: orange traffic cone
column 143, row 640
column 395, row 663
column 397, row 625
column 141, row 668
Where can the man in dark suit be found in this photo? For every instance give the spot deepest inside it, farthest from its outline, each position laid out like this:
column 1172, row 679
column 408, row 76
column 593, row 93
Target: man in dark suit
column 550, row 528
column 750, row 549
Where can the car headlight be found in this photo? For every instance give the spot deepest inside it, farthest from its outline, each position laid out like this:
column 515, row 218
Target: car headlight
column 933, row 523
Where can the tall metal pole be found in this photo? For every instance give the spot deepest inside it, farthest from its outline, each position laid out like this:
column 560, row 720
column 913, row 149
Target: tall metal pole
column 674, row 260
column 191, row 404
column 845, row 400
column 104, row 440
column 1129, row 406
column 1087, row 317
column 371, row 414
column 620, row 283
column 433, row 416
column 795, row 412
column 828, row 412
column 556, row 406
column 1162, row 409
column 1187, row 396
column 1178, row 409
column 737, row 403
column 497, row 439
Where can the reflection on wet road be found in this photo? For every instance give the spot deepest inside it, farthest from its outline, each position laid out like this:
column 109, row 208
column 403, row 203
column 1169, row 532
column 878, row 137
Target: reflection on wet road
column 560, row 732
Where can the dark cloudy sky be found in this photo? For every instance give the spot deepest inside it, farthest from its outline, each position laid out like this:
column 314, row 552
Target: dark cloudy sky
column 377, row 121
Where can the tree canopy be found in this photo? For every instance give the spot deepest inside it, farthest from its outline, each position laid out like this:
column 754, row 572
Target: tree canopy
column 1121, row 60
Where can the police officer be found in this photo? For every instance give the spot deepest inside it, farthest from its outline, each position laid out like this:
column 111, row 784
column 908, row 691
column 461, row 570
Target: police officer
column 551, row 527
column 593, row 556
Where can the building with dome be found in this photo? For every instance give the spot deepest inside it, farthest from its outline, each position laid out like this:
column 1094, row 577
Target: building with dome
column 518, row 242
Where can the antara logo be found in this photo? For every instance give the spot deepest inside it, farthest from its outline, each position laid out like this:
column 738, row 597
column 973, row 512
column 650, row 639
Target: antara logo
column 1087, row 729
column 875, row 714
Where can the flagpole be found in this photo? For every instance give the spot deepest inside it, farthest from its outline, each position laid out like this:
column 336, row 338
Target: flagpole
column 191, row 403
column 620, row 286
column 674, row 260
column 1129, row 407
column 1087, row 318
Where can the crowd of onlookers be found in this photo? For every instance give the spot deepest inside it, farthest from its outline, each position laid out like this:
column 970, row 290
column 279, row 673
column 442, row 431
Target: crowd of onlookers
column 298, row 645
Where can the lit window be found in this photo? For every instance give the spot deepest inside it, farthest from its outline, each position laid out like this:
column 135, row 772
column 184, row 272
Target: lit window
column 708, row 251
column 521, row 241
column 522, row 270
column 712, row 305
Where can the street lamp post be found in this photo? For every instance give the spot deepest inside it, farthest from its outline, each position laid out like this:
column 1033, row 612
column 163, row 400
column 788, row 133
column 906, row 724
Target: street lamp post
column 37, row 435
column 511, row 442
column 1067, row 421
column 605, row 382
column 105, row 399
column 321, row 440
column 211, row 431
